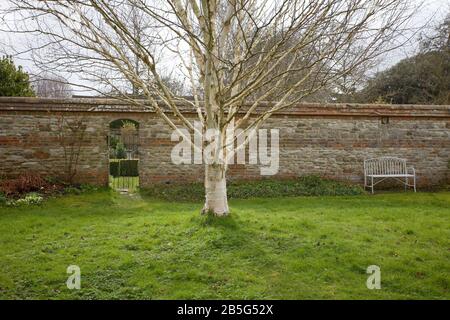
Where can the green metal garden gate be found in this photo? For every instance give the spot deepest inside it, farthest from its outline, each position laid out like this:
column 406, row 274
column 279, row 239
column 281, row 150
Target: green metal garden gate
column 123, row 160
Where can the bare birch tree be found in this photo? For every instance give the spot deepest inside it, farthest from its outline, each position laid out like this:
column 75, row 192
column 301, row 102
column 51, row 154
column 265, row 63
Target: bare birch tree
column 221, row 47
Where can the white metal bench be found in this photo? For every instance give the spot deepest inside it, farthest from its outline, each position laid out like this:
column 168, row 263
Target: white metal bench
column 388, row 167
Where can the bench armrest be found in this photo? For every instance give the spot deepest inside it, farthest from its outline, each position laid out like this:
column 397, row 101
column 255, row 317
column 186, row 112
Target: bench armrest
column 411, row 169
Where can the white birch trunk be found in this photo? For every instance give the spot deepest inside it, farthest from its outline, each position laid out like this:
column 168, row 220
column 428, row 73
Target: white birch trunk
column 215, row 190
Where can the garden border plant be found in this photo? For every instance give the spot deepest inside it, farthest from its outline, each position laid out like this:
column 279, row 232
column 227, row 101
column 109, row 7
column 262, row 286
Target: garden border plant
column 32, row 189
column 310, row 185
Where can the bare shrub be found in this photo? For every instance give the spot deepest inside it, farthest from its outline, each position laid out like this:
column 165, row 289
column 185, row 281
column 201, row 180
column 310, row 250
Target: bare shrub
column 24, row 183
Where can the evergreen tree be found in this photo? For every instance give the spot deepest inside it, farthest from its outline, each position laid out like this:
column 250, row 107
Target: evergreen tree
column 14, row 82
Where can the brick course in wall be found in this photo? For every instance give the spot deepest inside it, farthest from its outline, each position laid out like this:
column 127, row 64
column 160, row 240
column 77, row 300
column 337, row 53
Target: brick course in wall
column 328, row 140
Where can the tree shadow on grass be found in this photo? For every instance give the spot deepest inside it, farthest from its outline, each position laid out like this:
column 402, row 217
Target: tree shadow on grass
column 222, row 233
column 210, row 220
column 232, row 236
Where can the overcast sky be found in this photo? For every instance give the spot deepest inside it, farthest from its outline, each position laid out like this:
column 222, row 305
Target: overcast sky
column 431, row 13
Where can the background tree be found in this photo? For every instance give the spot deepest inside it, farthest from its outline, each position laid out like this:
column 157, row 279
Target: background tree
column 221, row 47
column 51, row 86
column 421, row 79
column 14, row 82
column 439, row 39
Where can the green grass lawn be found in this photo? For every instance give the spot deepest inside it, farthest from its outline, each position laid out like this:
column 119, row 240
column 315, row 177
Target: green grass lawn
column 286, row 248
column 124, row 183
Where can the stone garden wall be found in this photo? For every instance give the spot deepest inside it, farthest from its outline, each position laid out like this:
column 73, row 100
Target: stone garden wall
column 329, row 140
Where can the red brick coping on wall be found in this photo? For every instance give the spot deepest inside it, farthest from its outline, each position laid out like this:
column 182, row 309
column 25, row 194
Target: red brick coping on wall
column 303, row 109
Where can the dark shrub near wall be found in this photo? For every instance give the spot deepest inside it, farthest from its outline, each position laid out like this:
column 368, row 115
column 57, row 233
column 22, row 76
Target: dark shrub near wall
column 30, row 183
column 268, row 188
column 124, row 168
column 114, row 168
column 24, row 183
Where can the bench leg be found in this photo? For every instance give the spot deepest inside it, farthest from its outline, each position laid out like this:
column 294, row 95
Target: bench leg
column 406, row 183
column 372, row 183
column 414, row 183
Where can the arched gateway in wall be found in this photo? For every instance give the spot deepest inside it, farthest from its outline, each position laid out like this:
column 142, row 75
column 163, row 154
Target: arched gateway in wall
column 123, row 152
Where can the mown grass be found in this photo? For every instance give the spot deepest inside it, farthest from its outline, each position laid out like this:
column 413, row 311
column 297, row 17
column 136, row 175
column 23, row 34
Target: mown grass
column 132, row 247
column 124, row 183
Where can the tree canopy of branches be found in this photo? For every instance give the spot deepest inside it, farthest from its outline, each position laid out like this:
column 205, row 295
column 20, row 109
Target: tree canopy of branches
column 221, row 47
column 14, row 82
column 421, row 79
column 439, row 40
column 51, row 86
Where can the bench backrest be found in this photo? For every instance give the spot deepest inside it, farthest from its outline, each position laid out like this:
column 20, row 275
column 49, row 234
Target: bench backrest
column 385, row 165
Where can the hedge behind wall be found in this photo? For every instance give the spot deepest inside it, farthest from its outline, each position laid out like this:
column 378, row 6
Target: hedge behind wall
column 124, row 168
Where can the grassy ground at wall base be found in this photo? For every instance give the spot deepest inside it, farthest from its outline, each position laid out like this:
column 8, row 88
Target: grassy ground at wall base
column 129, row 246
